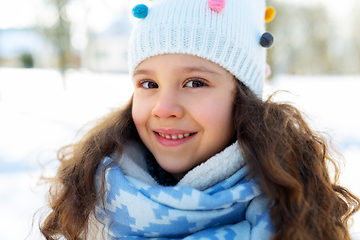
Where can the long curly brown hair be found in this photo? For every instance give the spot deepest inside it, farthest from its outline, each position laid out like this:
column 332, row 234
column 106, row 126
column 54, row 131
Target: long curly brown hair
column 282, row 152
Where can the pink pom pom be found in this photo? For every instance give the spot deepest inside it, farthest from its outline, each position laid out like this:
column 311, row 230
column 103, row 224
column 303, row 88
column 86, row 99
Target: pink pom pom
column 217, row 5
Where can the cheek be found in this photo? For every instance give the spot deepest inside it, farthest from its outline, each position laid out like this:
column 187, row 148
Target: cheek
column 217, row 114
column 139, row 112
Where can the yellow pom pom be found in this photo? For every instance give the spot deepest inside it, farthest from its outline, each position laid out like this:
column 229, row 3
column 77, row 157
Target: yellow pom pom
column 269, row 14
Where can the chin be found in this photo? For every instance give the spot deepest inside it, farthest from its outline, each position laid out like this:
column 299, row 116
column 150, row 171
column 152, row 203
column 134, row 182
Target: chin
column 174, row 169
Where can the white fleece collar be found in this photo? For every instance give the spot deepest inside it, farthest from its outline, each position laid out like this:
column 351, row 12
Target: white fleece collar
column 216, row 169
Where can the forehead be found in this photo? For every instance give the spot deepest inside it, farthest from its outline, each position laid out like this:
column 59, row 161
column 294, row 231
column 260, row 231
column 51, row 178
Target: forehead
column 183, row 63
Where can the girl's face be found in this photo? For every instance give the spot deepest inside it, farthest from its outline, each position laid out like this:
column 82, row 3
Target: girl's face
column 183, row 109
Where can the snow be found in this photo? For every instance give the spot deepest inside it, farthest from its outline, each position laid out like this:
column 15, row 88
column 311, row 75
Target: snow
column 41, row 112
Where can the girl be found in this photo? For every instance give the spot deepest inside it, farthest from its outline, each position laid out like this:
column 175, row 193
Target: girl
column 196, row 153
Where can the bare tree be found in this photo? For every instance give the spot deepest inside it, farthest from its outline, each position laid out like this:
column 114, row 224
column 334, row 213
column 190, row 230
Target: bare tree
column 59, row 35
column 302, row 36
column 356, row 34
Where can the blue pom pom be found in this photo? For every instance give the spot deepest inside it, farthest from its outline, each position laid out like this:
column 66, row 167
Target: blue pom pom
column 140, row 11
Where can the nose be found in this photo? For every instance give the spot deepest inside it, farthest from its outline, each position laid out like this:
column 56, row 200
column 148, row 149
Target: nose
column 168, row 105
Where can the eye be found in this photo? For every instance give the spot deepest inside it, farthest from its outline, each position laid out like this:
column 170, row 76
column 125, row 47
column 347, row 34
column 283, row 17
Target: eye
column 195, row 83
column 148, row 84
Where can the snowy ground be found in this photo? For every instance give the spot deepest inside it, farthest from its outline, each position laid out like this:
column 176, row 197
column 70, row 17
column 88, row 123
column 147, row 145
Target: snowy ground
column 39, row 113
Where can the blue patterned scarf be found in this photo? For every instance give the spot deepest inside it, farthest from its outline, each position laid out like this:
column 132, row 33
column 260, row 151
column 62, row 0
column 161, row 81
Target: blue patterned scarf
column 235, row 208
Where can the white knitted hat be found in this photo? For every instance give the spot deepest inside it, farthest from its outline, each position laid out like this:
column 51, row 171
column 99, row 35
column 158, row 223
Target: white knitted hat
column 228, row 36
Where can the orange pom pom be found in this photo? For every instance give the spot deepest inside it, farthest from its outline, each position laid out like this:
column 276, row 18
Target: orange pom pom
column 269, row 14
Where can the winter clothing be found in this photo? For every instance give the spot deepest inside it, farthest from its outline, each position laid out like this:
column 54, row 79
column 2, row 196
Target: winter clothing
column 215, row 200
column 227, row 33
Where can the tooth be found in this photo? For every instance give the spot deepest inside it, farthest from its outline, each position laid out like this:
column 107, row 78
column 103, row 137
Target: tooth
column 174, row 137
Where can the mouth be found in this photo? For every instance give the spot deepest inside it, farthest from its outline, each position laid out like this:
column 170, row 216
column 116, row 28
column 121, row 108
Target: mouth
column 175, row 136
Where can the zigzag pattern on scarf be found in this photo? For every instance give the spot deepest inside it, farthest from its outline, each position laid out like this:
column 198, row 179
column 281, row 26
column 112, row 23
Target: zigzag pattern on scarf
column 235, row 208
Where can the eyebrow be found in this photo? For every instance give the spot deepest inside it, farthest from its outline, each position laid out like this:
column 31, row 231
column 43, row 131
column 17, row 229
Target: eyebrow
column 199, row 69
column 189, row 69
column 141, row 71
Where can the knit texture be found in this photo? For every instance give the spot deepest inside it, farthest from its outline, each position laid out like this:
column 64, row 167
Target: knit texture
column 234, row 208
column 230, row 38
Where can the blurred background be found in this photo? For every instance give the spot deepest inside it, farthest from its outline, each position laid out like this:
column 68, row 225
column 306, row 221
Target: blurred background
column 63, row 64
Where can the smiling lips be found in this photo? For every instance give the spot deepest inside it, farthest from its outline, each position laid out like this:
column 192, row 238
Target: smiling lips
column 172, row 138
column 175, row 136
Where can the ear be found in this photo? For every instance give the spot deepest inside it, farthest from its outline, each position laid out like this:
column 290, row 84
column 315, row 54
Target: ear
column 217, row 5
column 267, row 71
